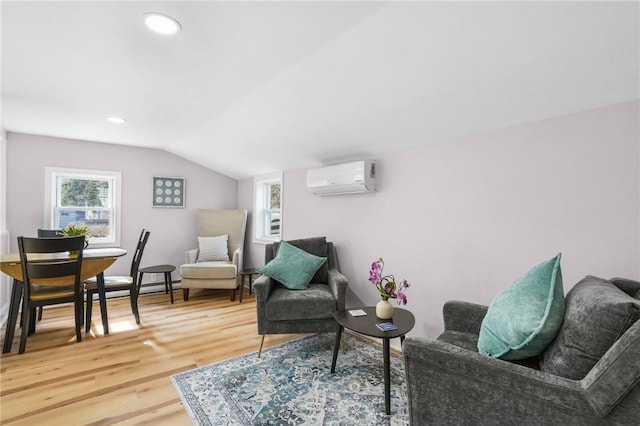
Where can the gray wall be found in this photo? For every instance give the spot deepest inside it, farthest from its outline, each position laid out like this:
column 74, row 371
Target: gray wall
column 172, row 230
column 463, row 219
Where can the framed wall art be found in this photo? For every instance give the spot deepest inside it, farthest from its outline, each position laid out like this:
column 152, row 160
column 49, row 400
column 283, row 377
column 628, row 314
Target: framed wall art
column 168, row 192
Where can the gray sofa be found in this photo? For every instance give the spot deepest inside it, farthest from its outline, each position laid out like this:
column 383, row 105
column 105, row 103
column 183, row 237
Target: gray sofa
column 589, row 375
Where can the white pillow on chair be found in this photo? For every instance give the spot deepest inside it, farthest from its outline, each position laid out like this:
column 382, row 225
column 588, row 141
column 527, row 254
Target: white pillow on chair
column 213, row 248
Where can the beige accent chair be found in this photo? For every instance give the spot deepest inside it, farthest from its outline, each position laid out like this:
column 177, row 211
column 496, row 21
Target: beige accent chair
column 217, row 274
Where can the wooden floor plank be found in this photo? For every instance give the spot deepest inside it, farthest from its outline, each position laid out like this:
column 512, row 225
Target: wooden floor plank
column 123, row 378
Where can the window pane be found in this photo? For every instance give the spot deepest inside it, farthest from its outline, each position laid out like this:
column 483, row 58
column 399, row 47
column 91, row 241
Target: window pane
column 90, row 197
column 274, row 196
column 98, row 221
column 268, row 225
column 273, row 223
column 84, row 193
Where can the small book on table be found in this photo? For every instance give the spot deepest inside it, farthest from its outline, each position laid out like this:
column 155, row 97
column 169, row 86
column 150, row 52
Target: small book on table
column 386, row 326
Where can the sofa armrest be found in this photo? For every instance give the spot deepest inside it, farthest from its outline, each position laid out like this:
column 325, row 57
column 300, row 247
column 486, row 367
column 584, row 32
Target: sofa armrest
column 262, row 288
column 463, row 316
column 190, row 256
column 338, row 284
column 448, row 376
column 615, row 374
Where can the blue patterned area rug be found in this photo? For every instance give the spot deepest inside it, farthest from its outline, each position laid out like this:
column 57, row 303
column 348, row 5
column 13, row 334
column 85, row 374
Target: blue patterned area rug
column 292, row 384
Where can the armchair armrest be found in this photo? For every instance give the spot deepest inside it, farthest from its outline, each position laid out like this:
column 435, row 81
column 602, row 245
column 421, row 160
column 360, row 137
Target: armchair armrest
column 338, row 284
column 236, row 259
column 463, row 316
column 447, row 375
column 262, row 287
column 190, row 256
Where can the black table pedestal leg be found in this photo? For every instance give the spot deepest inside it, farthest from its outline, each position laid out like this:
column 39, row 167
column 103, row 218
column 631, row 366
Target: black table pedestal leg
column 387, row 376
column 12, row 319
column 103, row 302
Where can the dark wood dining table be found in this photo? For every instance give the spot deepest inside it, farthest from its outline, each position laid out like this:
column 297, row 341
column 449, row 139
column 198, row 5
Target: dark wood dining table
column 94, row 263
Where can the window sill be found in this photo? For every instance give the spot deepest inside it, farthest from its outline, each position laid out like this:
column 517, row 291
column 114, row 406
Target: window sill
column 265, row 240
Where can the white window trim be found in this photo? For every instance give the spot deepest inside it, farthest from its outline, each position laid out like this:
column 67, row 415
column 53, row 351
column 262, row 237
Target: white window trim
column 50, row 193
column 258, row 210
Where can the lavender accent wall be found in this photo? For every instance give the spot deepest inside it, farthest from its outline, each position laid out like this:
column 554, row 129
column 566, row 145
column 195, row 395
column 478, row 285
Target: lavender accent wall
column 463, row 219
column 173, row 231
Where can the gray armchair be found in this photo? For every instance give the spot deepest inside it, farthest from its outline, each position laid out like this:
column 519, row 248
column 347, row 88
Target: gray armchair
column 283, row 311
column 449, row 382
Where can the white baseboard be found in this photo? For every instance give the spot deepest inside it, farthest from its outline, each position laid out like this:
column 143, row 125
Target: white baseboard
column 146, row 288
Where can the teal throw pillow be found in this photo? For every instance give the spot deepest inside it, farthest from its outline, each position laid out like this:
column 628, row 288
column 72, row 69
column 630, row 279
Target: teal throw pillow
column 293, row 267
column 523, row 320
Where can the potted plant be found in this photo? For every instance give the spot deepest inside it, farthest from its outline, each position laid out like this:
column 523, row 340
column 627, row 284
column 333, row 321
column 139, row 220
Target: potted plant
column 74, row 230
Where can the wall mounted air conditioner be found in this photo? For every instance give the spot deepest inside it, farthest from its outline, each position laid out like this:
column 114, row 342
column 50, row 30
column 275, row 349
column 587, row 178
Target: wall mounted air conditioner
column 348, row 178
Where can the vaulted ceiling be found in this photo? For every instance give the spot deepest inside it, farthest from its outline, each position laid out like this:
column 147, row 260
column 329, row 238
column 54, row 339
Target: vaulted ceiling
column 251, row 87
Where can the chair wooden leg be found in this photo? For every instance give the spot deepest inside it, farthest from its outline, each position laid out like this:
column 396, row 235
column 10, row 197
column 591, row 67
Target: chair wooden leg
column 87, row 326
column 32, row 323
column 133, row 297
column 185, row 294
column 261, row 343
column 232, row 295
column 79, row 314
column 26, row 327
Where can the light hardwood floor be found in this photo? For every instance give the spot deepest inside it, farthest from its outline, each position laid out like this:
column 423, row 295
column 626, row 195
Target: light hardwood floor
column 123, row 377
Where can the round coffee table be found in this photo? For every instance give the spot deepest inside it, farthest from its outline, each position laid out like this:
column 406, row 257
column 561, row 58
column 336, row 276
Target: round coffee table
column 366, row 325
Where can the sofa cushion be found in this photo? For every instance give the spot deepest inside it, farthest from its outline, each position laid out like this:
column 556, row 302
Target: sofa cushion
column 212, row 270
column 213, row 248
column 316, row 302
column 597, row 314
column 631, row 287
column 523, row 319
column 292, row 267
column 318, row 247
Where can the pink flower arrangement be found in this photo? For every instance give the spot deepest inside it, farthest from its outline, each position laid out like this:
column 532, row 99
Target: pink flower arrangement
column 386, row 285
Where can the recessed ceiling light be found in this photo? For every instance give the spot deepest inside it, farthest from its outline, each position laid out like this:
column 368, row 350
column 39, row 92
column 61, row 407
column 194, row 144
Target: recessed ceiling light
column 116, row 120
column 161, row 24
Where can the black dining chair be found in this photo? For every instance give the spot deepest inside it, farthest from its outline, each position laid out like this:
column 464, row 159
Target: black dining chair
column 118, row 283
column 46, row 233
column 50, row 281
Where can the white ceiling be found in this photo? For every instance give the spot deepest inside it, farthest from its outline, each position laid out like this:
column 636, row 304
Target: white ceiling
column 252, row 87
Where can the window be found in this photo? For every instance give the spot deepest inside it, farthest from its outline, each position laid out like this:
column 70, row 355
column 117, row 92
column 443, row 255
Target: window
column 91, row 197
column 268, row 208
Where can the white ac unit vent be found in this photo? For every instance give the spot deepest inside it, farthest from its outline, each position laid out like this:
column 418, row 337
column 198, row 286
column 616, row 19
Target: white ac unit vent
column 348, row 178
